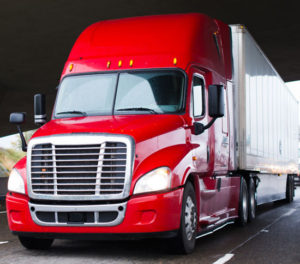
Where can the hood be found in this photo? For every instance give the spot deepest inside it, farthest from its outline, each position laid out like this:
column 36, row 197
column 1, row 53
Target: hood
column 140, row 127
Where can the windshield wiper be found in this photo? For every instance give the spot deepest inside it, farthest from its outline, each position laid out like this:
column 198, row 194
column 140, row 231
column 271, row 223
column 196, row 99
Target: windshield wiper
column 72, row 112
column 138, row 109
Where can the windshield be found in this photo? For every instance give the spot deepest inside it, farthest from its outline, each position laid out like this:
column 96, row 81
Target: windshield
column 155, row 92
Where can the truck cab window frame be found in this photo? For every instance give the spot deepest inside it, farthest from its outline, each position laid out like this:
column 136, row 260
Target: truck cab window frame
column 114, row 109
column 198, row 96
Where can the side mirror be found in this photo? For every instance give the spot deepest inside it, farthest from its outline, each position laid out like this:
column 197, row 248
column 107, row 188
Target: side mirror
column 216, row 107
column 216, row 100
column 40, row 109
column 18, row 119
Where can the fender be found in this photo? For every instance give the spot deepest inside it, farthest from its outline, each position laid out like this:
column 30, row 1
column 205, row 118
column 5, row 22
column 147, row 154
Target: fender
column 178, row 158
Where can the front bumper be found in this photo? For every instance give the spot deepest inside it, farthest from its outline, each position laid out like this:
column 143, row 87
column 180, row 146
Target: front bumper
column 145, row 216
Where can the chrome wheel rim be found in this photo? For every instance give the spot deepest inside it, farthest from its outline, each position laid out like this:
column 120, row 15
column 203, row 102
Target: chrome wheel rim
column 190, row 218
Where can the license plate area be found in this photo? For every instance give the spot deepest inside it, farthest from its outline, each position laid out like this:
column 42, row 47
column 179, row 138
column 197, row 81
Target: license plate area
column 78, row 215
column 76, row 218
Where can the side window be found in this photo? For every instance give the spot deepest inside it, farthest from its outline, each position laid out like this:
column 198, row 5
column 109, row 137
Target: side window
column 198, row 96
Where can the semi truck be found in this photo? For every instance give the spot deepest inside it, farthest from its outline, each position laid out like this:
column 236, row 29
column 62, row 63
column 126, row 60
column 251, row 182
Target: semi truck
column 166, row 126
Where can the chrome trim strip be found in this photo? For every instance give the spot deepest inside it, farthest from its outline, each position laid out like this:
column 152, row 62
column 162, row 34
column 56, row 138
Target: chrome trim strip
column 83, row 139
column 40, row 116
column 78, row 208
column 214, row 230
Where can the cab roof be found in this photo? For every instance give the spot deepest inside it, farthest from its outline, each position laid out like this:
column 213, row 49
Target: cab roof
column 149, row 42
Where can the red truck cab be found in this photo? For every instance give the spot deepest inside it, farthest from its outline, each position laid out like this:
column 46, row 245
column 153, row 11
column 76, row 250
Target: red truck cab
column 139, row 143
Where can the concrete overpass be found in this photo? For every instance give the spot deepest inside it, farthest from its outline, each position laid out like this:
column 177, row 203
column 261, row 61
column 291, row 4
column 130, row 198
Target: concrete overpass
column 36, row 37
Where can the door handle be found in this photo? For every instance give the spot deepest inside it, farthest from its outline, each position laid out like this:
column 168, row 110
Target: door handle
column 225, row 141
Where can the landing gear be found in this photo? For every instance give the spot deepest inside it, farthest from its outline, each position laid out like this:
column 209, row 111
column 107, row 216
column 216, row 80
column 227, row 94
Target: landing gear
column 35, row 243
column 186, row 238
column 243, row 204
column 289, row 189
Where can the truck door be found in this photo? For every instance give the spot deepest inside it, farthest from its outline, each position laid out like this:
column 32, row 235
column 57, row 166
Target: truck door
column 222, row 140
column 202, row 146
column 221, row 160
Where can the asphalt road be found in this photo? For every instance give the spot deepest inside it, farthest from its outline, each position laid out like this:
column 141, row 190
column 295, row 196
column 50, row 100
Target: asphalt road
column 274, row 237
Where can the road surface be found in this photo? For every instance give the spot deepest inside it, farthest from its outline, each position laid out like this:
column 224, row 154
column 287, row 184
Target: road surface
column 274, row 237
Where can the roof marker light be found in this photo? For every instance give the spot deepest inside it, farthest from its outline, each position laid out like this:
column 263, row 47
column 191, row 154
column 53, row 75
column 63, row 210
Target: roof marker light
column 130, row 63
column 120, row 63
column 175, row 61
column 71, row 66
column 108, row 64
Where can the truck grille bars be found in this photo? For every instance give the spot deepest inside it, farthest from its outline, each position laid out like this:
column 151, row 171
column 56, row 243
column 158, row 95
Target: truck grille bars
column 98, row 167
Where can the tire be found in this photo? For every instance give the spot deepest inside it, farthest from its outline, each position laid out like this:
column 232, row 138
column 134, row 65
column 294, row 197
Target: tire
column 243, row 204
column 289, row 189
column 252, row 201
column 35, row 243
column 185, row 241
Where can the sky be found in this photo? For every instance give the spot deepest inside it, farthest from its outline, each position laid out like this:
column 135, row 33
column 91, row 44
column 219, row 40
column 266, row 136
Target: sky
column 5, row 142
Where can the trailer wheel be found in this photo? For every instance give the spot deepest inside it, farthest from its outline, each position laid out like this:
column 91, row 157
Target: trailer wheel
column 185, row 241
column 35, row 243
column 289, row 189
column 252, row 201
column 243, row 204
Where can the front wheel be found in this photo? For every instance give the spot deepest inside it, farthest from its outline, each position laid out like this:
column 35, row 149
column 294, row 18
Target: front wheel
column 185, row 241
column 35, row 243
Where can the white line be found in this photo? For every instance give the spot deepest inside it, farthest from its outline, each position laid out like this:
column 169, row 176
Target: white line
column 291, row 211
column 224, row 259
column 3, row 212
column 229, row 255
column 3, row 242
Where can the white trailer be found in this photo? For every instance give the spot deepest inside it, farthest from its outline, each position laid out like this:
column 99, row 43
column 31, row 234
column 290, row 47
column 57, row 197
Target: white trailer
column 265, row 118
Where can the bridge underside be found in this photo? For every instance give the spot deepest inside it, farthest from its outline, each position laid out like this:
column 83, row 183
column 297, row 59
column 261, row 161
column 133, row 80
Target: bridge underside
column 36, row 37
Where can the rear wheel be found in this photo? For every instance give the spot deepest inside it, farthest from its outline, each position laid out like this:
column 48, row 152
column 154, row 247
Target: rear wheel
column 252, row 202
column 289, row 189
column 243, row 204
column 35, row 243
column 185, row 241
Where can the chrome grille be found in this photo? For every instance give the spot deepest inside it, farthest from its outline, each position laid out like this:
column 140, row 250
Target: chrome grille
column 97, row 170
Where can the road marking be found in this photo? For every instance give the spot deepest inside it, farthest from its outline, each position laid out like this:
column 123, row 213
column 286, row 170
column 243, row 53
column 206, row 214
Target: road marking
column 3, row 242
column 229, row 255
column 224, row 259
column 264, row 231
column 3, row 212
column 291, row 211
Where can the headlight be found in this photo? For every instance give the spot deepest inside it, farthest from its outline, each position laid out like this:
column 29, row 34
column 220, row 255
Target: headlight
column 15, row 182
column 156, row 180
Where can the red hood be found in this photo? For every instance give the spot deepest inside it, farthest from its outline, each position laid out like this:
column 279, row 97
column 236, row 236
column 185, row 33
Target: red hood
column 140, row 127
